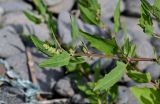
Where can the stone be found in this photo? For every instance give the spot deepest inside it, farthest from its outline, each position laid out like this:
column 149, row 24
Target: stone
column 64, row 5
column 14, row 6
column 144, row 49
column 46, row 77
column 156, row 43
column 24, row 26
column 107, row 8
column 52, row 2
column 10, row 42
column 133, row 6
column 125, row 96
column 64, row 27
column 19, row 64
column 11, row 95
column 77, row 98
column 64, row 88
column 154, row 70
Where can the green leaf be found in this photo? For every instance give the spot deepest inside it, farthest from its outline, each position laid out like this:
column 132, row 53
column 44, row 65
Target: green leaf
column 40, row 6
column 40, row 45
column 145, row 22
column 32, row 17
column 71, row 67
column 90, row 11
column 111, row 78
column 157, row 4
column 127, row 44
column 146, row 5
column 105, row 45
column 156, row 12
column 52, row 30
column 146, row 95
column 74, row 61
column 113, row 92
column 132, row 51
column 117, row 24
column 75, row 31
column 139, row 76
column 129, row 48
column 57, row 60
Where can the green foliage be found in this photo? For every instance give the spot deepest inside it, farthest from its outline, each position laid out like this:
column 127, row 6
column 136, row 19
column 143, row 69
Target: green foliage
column 52, row 29
column 74, row 61
column 57, row 60
column 117, row 24
column 75, row 30
column 146, row 95
column 146, row 11
column 32, row 17
column 128, row 48
column 90, row 11
column 111, row 78
column 139, row 76
column 75, row 58
column 40, row 6
column 43, row 46
column 146, row 21
column 156, row 9
column 107, row 46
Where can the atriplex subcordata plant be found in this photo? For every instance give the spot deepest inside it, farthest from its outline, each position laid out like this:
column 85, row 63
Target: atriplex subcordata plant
column 75, row 60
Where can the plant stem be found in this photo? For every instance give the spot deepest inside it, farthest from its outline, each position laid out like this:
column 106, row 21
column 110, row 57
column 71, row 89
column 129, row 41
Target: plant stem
column 128, row 59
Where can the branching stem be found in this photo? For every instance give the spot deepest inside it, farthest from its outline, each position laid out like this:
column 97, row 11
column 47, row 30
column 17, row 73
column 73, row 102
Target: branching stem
column 128, row 59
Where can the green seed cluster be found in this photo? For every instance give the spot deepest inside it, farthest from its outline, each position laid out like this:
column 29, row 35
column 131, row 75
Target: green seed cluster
column 51, row 49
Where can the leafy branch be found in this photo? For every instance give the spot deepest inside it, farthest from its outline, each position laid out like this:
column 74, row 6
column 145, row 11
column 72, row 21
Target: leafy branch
column 125, row 56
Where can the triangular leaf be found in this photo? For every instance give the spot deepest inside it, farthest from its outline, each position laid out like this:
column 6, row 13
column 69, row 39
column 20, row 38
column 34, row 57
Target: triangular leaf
column 111, row 78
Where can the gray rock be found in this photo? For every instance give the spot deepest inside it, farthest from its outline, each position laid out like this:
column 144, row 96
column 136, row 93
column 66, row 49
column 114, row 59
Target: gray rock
column 23, row 26
column 1, row 1
column 64, row 5
column 64, row 27
column 144, row 49
column 13, row 6
column 64, row 88
column 154, row 70
column 10, row 95
column 52, row 2
column 133, row 6
column 107, row 7
column 19, row 63
column 156, row 43
column 10, row 43
column 77, row 98
column 47, row 77
column 125, row 96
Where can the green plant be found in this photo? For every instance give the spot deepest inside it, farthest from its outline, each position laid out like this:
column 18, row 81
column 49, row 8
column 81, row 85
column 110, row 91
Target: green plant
column 99, row 90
